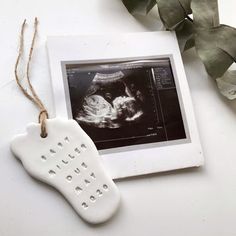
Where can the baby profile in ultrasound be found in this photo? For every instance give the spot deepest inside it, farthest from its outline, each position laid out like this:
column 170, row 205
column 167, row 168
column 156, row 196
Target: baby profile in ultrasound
column 111, row 102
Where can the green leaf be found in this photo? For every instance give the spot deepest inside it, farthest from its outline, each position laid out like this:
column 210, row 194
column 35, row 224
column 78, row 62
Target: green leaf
column 216, row 48
column 227, row 84
column 185, row 35
column 186, row 4
column 141, row 7
column 215, row 43
column 173, row 12
column 205, row 13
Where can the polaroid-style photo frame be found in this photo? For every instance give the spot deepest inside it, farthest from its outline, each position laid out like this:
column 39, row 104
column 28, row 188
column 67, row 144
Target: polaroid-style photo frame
column 130, row 94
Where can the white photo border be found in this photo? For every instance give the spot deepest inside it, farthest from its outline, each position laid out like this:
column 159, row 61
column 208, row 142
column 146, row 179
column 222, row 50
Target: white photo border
column 143, row 158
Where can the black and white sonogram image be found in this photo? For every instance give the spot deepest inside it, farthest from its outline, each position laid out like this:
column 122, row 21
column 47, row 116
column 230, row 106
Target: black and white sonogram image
column 125, row 103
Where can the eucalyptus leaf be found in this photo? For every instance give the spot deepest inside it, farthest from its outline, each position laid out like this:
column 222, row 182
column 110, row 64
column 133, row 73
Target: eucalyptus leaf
column 215, row 43
column 172, row 12
column 141, row 7
column 205, row 13
column 227, row 84
column 216, row 48
column 185, row 35
column 186, row 4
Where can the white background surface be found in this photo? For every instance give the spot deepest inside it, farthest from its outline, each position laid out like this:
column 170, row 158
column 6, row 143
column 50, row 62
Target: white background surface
column 191, row 202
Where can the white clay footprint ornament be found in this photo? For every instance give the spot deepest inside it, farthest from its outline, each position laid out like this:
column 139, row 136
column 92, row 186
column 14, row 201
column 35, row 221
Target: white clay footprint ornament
column 68, row 160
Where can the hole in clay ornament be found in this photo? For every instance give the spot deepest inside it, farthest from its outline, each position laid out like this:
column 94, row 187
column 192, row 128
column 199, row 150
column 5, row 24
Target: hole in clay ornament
column 43, row 158
column 43, row 135
column 86, row 182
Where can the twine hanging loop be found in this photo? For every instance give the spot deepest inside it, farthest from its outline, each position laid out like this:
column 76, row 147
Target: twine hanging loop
column 33, row 97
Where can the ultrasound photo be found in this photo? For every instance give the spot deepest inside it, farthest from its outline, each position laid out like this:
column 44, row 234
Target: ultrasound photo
column 125, row 103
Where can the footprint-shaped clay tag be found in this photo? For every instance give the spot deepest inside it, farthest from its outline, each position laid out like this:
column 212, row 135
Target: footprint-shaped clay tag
column 68, row 160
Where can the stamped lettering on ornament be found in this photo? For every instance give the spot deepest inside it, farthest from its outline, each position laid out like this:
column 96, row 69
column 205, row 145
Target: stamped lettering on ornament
column 82, row 166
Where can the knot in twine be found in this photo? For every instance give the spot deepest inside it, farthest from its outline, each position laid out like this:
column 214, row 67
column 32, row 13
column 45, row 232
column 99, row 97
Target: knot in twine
column 43, row 115
column 33, row 97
